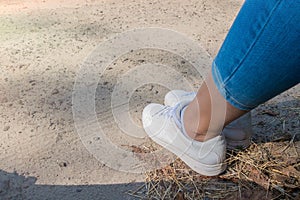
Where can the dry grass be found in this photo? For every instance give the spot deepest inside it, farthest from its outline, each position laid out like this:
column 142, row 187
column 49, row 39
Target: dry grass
column 263, row 171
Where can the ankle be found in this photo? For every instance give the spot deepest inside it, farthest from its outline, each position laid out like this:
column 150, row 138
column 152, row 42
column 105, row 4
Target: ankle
column 201, row 137
column 199, row 131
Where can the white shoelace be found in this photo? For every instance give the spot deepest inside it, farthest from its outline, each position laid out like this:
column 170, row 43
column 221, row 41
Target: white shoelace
column 189, row 93
column 170, row 112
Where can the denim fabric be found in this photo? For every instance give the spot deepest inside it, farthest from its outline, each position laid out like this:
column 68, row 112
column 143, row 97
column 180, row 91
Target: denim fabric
column 260, row 57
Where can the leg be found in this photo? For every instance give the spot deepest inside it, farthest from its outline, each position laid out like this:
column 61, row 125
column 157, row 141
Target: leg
column 209, row 112
column 258, row 60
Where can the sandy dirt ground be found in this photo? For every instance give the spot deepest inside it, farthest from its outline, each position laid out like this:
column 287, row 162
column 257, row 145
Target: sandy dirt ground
column 43, row 43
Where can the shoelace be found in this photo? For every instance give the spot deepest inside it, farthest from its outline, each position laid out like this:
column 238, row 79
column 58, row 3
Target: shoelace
column 170, row 112
column 189, row 93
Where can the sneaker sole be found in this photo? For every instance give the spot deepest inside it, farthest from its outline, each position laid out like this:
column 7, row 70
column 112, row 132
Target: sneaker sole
column 204, row 169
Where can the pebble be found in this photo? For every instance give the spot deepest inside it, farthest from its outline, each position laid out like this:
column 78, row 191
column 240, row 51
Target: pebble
column 55, row 91
column 6, row 128
column 21, row 102
column 63, row 164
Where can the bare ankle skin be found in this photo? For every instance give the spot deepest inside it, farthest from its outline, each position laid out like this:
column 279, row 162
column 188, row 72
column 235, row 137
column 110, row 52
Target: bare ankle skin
column 208, row 113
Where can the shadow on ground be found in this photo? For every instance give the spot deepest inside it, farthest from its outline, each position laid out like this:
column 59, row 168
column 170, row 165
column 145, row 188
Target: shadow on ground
column 15, row 186
column 277, row 121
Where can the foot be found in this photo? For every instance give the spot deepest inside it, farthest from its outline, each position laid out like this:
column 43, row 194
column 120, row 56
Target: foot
column 237, row 133
column 163, row 124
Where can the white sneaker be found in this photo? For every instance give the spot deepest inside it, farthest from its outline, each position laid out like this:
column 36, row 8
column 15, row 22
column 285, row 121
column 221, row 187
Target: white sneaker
column 163, row 125
column 237, row 133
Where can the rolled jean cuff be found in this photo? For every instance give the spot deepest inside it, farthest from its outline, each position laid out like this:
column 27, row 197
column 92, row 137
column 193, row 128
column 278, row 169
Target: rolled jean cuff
column 259, row 58
column 230, row 98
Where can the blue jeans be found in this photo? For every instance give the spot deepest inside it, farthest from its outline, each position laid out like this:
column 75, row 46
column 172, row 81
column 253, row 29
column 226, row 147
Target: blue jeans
column 260, row 57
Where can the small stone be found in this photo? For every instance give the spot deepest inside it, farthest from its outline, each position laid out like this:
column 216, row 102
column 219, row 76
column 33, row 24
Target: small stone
column 6, row 128
column 270, row 112
column 63, row 164
column 78, row 190
column 55, row 91
column 21, row 102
